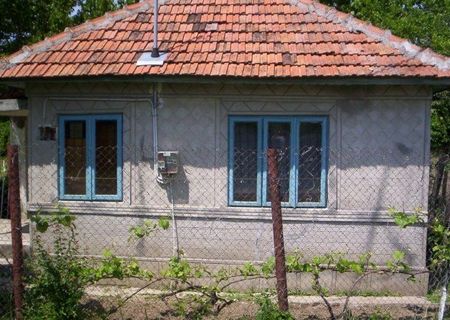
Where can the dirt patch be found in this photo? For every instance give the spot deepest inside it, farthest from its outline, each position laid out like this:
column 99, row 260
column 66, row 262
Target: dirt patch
column 152, row 307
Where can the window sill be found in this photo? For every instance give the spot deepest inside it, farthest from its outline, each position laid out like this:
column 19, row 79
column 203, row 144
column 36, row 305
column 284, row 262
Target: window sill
column 97, row 199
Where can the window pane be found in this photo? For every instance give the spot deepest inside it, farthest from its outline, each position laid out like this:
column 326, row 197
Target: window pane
column 75, row 157
column 245, row 156
column 106, row 157
column 279, row 137
column 310, row 162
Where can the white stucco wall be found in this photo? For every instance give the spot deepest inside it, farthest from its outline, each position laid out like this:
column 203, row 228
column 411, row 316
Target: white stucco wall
column 379, row 154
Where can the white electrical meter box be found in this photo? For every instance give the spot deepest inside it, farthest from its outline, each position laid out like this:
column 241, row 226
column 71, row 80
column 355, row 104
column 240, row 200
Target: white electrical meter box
column 168, row 163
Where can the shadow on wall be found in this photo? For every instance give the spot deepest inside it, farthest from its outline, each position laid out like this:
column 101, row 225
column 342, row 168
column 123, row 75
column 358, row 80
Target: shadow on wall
column 380, row 164
column 177, row 190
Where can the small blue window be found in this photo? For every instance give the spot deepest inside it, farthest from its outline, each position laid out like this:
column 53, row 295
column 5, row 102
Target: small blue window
column 301, row 142
column 90, row 157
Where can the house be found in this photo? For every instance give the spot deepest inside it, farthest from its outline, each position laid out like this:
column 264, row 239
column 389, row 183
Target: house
column 118, row 136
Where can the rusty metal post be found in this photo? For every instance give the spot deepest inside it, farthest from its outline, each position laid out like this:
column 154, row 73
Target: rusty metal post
column 16, row 227
column 277, row 221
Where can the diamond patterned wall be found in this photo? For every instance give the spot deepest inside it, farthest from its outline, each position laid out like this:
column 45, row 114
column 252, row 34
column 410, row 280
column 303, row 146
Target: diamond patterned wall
column 378, row 158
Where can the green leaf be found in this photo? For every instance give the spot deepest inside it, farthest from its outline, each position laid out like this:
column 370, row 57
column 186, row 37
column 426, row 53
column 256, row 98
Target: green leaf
column 357, row 268
column 67, row 220
column 164, row 223
column 42, row 225
column 403, row 219
column 398, row 255
column 248, row 269
column 268, row 267
column 107, row 253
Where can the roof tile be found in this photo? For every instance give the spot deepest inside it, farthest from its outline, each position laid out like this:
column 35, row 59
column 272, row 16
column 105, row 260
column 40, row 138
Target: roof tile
column 238, row 38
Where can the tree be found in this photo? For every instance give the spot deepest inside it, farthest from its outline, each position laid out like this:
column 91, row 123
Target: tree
column 440, row 118
column 425, row 23
column 28, row 21
column 90, row 9
column 15, row 21
column 50, row 17
column 93, row 8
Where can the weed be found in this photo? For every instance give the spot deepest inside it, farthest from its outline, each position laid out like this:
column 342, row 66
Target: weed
column 270, row 311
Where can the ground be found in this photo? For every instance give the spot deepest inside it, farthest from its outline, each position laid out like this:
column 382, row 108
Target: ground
column 149, row 305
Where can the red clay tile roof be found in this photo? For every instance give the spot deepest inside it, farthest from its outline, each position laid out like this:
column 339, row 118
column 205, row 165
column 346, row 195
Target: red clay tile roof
column 234, row 38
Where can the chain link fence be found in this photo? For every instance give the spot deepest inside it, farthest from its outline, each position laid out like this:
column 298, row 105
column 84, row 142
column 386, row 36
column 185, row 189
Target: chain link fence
column 211, row 209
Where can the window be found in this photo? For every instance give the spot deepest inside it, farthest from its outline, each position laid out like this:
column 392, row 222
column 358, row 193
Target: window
column 301, row 142
column 90, row 157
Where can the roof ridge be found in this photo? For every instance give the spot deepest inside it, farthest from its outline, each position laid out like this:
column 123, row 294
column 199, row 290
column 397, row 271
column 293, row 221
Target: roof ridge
column 385, row 36
column 70, row 32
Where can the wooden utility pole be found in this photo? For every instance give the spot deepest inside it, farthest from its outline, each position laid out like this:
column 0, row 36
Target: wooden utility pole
column 16, row 227
column 277, row 221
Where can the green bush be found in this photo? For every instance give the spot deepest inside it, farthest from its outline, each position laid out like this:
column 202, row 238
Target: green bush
column 57, row 275
column 270, row 311
column 4, row 135
column 6, row 304
column 56, row 282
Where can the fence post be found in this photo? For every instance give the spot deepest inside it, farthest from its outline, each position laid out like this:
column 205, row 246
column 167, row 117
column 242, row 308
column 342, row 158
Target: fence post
column 277, row 221
column 16, row 227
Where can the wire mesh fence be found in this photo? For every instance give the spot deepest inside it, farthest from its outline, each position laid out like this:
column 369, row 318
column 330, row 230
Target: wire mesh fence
column 204, row 229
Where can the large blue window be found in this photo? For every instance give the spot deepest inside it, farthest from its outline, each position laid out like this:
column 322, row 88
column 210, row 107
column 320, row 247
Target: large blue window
column 301, row 142
column 90, row 157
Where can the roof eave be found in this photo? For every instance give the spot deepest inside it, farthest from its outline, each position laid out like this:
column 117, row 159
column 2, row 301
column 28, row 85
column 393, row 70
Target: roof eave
column 353, row 80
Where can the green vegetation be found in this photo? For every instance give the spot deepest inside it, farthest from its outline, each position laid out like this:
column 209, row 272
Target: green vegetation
column 4, row 135
column 440, row 123
column 439, row 243
column 6, row 305
column 147, row 228
column 27, row 21
column 438, row 237
column 56, row 282
column 435, row 295
column 270, row 311
column 57, row 278
column 368, row 293
column 403, row 219
column 423, row 22
column 353, row 293
column 210, row 297
column 90, row 9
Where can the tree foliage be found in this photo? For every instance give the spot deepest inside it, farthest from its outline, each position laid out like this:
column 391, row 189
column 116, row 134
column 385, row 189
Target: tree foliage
column 425, row 23
column 89, row 9
column 14, row 24
column 28, row 21
column 440, row 121
column 4, row 135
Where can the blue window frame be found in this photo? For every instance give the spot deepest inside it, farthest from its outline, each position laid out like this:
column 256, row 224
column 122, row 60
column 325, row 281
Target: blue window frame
column 90, row 157
column 302, row 142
